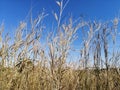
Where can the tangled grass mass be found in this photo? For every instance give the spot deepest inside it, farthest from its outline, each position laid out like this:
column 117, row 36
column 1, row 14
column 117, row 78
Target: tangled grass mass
column 31, row 63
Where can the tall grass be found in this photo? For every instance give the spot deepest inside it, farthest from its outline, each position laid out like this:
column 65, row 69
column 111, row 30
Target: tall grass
column 28, row 64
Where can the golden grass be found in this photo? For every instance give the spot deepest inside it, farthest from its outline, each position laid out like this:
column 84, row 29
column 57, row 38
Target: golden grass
column 27, row 64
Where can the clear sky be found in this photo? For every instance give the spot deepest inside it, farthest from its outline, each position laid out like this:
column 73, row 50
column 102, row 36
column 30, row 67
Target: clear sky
column 13, row 11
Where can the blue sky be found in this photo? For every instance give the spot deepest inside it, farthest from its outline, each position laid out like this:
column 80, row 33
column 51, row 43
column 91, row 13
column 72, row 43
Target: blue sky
column 14, row 11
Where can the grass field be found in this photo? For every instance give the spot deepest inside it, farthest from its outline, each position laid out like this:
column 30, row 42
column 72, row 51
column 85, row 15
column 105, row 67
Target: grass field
column 30, row 64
